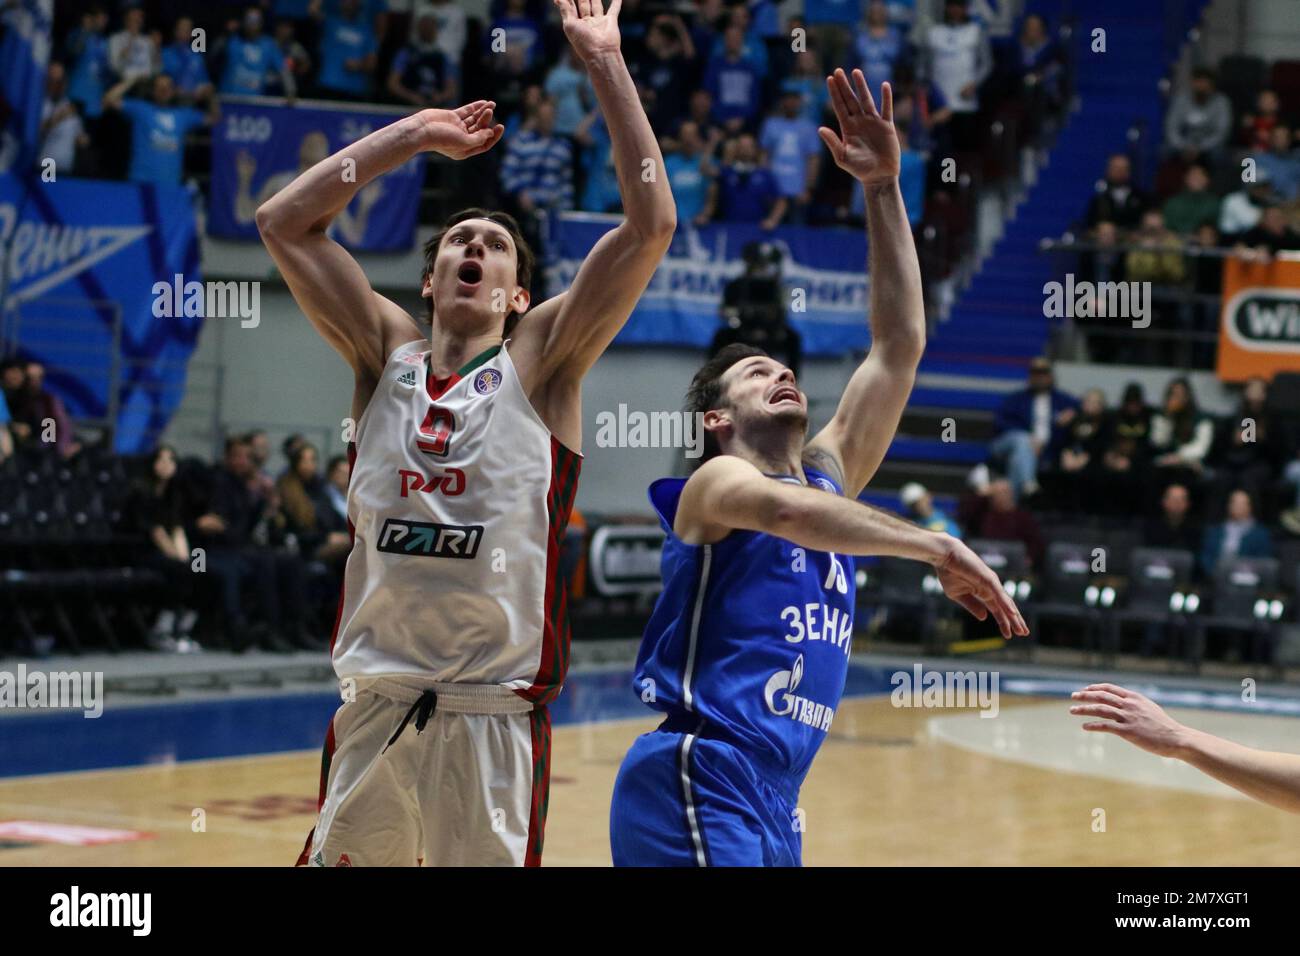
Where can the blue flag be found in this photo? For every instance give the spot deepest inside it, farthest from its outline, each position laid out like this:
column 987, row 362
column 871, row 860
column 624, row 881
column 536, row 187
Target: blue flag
column 24, row 58
column 81, row 260
column 258, row 150
column 823, row 271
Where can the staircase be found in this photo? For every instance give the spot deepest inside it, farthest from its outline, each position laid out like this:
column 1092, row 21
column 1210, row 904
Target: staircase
column 980, row 353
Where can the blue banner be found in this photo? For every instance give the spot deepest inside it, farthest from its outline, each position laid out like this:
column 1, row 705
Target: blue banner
column 75, row 255
column 257, row 150
column 25, row 55
column 824, row 271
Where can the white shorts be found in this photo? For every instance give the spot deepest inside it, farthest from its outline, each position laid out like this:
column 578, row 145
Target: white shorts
column 469, row 789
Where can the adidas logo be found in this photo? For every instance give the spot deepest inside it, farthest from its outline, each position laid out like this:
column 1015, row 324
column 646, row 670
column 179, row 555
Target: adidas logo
column 408, row 378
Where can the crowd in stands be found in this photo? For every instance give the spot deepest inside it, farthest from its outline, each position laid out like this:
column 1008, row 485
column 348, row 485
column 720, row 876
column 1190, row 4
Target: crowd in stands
column 1228, row 179
column 733, row 98
column 1218, row 486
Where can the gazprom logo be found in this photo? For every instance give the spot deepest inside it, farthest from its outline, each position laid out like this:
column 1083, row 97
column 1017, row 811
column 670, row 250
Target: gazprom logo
column 1264, row 319
column 782, row 684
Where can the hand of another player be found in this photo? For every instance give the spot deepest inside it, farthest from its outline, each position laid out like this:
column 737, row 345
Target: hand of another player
column 463, row 132
column 1128, row 714
column 867, row 145
column 972, row 584
column 591, row 29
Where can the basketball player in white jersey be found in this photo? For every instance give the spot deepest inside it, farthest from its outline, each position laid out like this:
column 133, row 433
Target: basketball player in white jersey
column 467, row 440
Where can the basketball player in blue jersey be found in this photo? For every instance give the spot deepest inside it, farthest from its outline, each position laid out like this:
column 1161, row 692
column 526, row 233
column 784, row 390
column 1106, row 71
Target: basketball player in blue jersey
column 747, row 649
column 467, row 437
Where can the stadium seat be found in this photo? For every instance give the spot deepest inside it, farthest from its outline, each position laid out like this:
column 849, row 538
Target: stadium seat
column 1239, row 585
column 1155, row 575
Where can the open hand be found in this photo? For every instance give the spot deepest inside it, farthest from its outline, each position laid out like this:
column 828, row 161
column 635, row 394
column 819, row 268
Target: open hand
column 590, row 28
column 1128, row 714
column 867, row 146
column 463, row 132
column 972, row 584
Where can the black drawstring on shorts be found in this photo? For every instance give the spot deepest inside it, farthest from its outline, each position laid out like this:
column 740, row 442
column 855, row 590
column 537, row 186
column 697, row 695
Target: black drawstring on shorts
column 421, row 710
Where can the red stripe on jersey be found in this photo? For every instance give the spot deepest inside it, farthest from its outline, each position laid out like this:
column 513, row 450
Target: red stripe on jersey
column 539, row 726
column 327, row 758
column 554, row 663
column 352, row 536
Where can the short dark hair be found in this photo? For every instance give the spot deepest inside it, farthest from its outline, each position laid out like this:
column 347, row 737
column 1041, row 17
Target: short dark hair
column 335, row 461
column 705, row 392
column 524, row 257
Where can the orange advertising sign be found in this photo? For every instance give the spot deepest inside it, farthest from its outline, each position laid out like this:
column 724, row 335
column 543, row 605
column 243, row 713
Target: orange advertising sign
column 1259, row 326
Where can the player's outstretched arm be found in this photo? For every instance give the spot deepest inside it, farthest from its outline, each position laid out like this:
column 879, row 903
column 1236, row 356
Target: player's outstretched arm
column 855, row 440
column 728, row 493
column 326, row 281
column 567, row 334
column 1273, row 778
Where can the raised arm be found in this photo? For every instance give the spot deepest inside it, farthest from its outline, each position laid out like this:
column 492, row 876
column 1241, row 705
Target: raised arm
column 1270, row 777
column 566, row 334
column 326, row 281
column 728, row 493
column 855, row 440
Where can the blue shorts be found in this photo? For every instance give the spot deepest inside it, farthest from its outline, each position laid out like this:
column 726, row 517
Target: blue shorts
column 685, row 800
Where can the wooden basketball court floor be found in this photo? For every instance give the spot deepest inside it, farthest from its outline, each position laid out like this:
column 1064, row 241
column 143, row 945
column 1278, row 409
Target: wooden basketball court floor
column 891, row 786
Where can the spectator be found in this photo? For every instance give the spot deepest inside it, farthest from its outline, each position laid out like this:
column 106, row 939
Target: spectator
column 1029, row 424
column 517, row 48
column 990, row 511
column 1239, row 536
column 809, row 80
column 831, row 24
column 1158, row 257
column 1270, row 237
column 1081, row 459
column 421, row 74
column 537, row 171
column 880, row 47
column 692, row 175
column 6, row 437
column 1038, row 68
column 13, row 381
column 62, row 131
column 252, row 58
column 921, row 509
column 452, row 27
column 1245, row 452
column 298, row 63
column 132, row 54
column 87, row 49
column 332, row 505
column 1174, row 528
column 299, row 490
column 185, row 65
column 235, row 530
column 1116, row 200
column 259, row 449
column 1256, row 125
column 154, row 511
column 748, row 190
column 1199, row 121
column 1280, row 163
column 288, row 447
column 1181, row 436
column 39, row 416
column 532, row 97
column 1126, row 453
column 734, row 83
column 1195, row 206
column 570, row 88
column 960, row 60
column 349, row 50
column 158, row 130
column 794, row 154
column 600, row 191
column 667, row 70
column 921, row 110
column 700, row 112
column 752, row 48
column 1242, row 210
column 1290, row 518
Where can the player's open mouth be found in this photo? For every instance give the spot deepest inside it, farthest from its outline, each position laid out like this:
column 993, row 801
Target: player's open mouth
column 785, row 393
column 470, row 274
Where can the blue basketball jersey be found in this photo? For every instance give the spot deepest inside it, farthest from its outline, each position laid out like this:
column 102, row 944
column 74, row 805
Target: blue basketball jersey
column 751, row 634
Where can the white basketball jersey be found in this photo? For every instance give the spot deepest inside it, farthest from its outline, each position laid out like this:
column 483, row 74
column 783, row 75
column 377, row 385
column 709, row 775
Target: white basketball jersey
column 458, row 502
